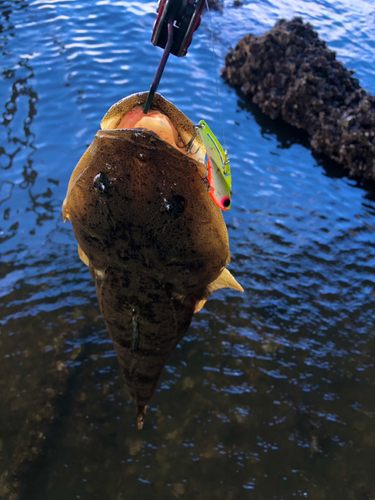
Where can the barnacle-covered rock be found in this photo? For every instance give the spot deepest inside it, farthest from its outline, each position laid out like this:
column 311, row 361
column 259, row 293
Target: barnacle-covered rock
column 291, row 74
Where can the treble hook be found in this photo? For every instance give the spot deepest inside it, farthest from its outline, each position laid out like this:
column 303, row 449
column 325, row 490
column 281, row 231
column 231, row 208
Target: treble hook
column 189, row 145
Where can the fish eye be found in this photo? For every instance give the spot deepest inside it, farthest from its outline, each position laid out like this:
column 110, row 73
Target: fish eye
column 226, row 203
column 175, row 206
column 101, row 183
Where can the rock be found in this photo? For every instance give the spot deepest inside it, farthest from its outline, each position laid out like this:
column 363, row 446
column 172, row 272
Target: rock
column 215, row 5
column 291, row 74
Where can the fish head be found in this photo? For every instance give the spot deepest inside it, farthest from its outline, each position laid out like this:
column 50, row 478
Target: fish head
column 140, row 190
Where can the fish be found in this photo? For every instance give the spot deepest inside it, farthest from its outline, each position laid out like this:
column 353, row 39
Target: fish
column 155, row 242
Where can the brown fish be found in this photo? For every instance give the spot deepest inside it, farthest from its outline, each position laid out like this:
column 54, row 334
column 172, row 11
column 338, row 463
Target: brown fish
column 155, row 242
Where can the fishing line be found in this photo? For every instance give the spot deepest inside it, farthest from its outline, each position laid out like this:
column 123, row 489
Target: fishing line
column 216, row 66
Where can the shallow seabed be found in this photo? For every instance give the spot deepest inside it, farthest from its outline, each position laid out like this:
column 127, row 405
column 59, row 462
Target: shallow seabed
column 271, row 394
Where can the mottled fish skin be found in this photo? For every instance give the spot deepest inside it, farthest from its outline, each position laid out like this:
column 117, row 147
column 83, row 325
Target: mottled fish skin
column 154, row 240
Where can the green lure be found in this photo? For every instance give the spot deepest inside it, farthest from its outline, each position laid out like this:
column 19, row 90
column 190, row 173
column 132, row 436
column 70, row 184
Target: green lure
column 219, row 176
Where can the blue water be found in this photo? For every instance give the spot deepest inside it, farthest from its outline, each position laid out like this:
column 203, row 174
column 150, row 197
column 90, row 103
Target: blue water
column 271, row 393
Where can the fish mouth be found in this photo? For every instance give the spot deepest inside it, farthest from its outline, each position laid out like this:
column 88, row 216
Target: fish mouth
column 153, row 121
column 163, row 119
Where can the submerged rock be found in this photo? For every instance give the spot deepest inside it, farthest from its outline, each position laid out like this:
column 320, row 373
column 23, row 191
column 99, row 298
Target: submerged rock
column 292, row 75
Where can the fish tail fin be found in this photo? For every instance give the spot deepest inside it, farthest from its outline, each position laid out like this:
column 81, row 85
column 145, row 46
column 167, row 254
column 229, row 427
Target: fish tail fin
column 141, row 413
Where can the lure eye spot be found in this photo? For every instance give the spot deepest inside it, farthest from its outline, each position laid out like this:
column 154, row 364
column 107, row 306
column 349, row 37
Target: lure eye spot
column 226, row 203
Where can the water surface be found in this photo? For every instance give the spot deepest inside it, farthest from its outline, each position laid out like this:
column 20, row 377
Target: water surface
column 271, row 393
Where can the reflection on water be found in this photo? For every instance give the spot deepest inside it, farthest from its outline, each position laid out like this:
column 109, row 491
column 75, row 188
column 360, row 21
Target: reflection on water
column 271, row 391
column 17, row 139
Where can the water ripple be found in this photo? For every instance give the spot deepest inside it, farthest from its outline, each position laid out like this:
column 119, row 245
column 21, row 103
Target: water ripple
column 272, row 389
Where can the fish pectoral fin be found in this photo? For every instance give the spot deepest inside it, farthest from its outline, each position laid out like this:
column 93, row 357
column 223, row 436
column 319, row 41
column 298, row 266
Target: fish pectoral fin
column 83, row 256
column 199, row 304
column 225, row 280
column 65, row 212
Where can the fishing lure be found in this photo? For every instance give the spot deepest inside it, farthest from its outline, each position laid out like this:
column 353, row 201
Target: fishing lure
column 219, row 175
